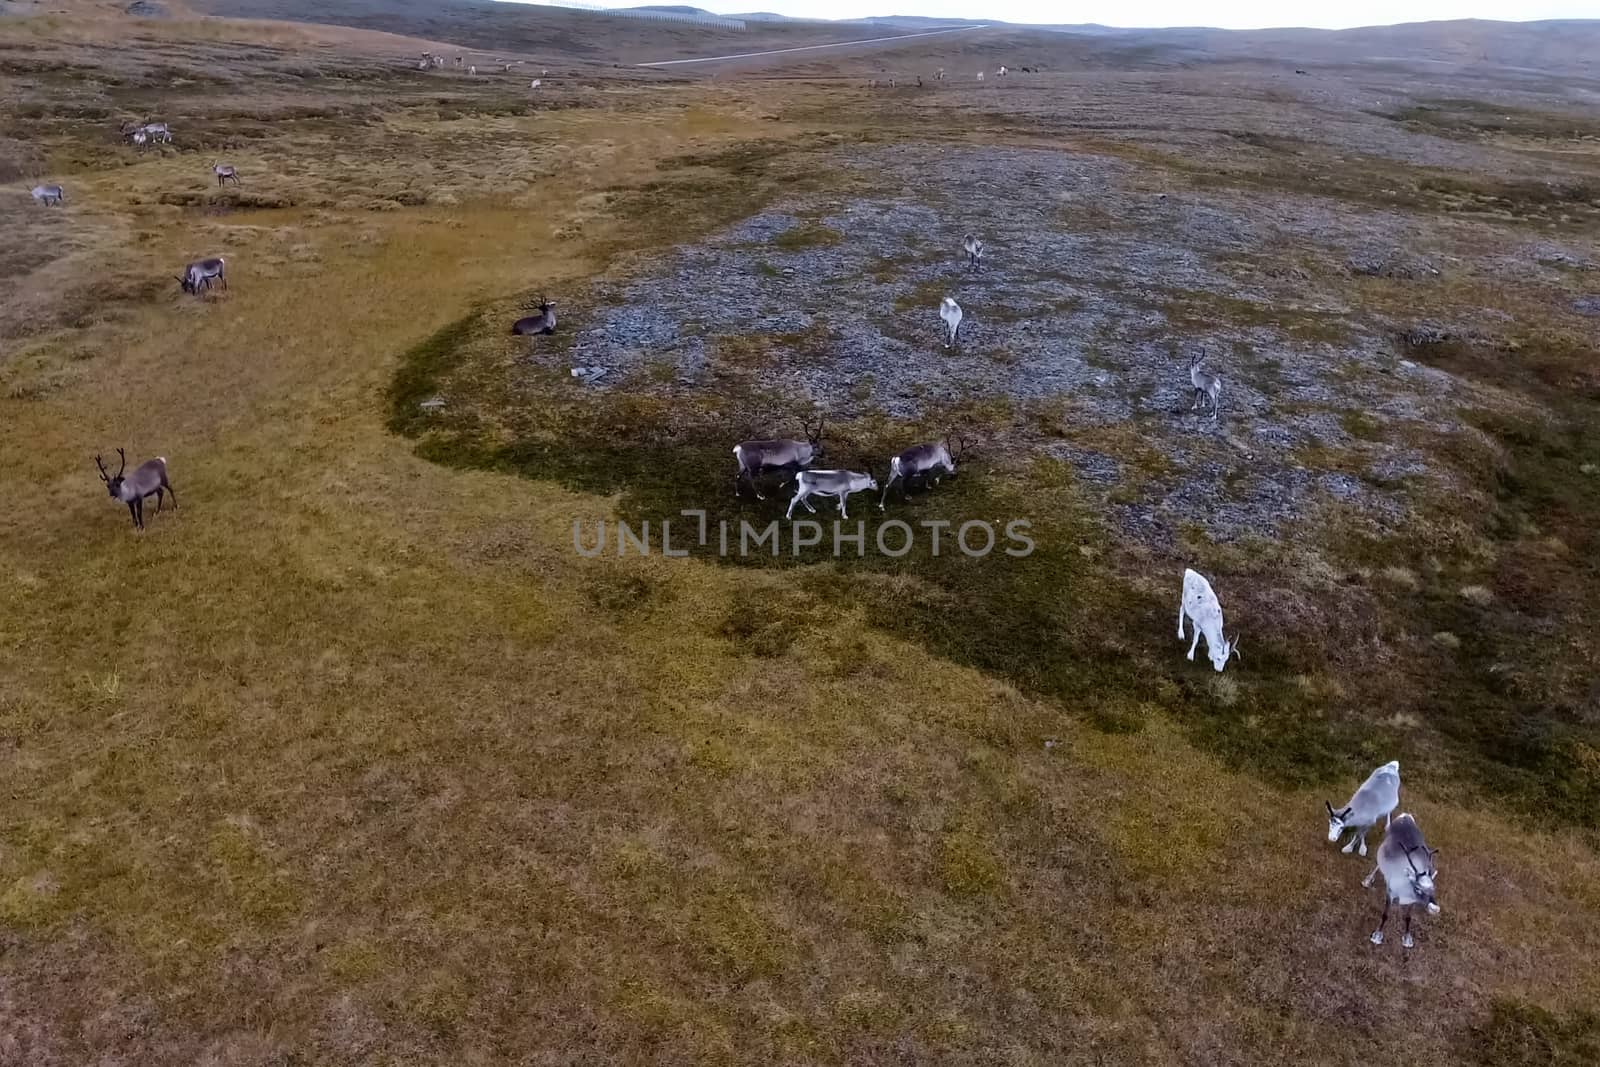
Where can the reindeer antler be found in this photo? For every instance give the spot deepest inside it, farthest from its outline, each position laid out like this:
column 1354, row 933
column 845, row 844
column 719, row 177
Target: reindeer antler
column 124, row 466
column 104, row 477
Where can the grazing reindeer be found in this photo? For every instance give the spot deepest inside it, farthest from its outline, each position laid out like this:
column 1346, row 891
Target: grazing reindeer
column 1199, row 602
column 472, row 70
column 950, row 312
column 1207, row 386
column 921, row 461
column 828, row 483
column 1001, row 72
column 544, row 322
column 757, row 457
column 939, row 76
column 201, row 273
column 1408, row 873
column 49, row 194
column 980, row 75
column 157, row 131
column 438, row 62
column 423, row 64
column 1377, row 798
column 224, row 172
column 149, row 479
column 974, row 248
column 534, row 84
column 139, row 139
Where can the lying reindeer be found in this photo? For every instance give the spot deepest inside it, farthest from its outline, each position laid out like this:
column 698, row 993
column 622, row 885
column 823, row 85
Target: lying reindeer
column 544, row 322
column 828, row 483
column 149, row 479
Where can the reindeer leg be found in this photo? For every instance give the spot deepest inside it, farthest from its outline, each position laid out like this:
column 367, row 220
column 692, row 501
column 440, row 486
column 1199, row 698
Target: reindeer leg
column 1377, row 935
column 133, row 514
column 842, row 511
column 1180, row 618
column 160, row 495
column 1195, row 643
column 798, row 499
column 1350, row 845
column 173, row 492
column 1405, row 940
column 887, row 486
column 1366, row 883
column 1362, row 849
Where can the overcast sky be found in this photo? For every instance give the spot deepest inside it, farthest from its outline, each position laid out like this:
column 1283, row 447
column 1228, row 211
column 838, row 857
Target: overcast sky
column 1234, row 14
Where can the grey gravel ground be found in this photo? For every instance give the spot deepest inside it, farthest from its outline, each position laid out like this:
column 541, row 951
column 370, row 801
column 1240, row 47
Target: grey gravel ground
column 1074, row 307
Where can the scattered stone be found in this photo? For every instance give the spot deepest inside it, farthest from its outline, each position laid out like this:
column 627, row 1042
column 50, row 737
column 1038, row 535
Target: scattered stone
column 1447, row 639
column 1391, row 264
column 1587, row 305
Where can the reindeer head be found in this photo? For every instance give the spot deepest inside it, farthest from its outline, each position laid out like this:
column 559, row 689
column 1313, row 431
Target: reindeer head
column 113, row 482
column 1422, row 876
column 1221, row 655
column 1336, row 821
column 814, row 436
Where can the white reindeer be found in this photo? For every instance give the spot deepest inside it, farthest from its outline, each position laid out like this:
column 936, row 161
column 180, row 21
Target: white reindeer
column 472, row 70
column 1207, row 386
column 828, row 483
column 1199, row 602
column 1001, row 72
column 534, row 84
column 1376, row 799
column 49, row 194
column 950, row 312
column 980, row 75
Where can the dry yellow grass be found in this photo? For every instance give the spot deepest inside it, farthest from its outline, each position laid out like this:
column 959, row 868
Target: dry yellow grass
column 352, row 760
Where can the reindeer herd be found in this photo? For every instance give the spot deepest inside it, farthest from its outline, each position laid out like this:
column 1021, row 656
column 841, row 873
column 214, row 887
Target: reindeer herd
column 1404, row 859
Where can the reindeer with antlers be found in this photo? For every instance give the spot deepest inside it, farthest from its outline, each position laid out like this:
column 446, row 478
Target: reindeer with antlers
column 544, row 322
column 757, row 457
column 148, row 479
column 922, row 461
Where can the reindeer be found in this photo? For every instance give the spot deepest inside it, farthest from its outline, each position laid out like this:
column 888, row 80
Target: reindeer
column 544, row 322
column 139, row 139
column 1378, row 796
column 534, row 84
column 472, row 70
column 828, row 483
column 1001, row 73
column 757, row 457
column 201, row 273
column 438, row 62
column 921, row 461
column 974, row 249
column 156, row 131
column 1207, row 386
column 1199, row 602
column 149, row 479
column 49, row 194
column 224, row 172
column 939, row 76
column 950, row 312
column 1408, row 870
column 980, row 75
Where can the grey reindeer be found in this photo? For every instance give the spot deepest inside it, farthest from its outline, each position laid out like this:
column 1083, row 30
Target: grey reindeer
column 921, row 461
column 201, row 273
column 148, row 479
column 758, row 457
column 49, row 194
column 828, row 483
column 1408, row 868
column 224, row 172
column 974, row 249
column 544, row 322
column 950, row 312
column 1376, row 799
column 1207, row 386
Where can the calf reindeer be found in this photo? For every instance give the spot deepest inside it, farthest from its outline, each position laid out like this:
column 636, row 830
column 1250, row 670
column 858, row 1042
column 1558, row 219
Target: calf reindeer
column 1199, row 602
column 1207, row 386
column 49, row 194
column 1377, row 797
column 828, row 483
column 1408, row 868
column 149, row 479
column 921, row 461
column 950, row 312
column 544, row 322
column 224, row 172
column 758, row 457
column 201, row 273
